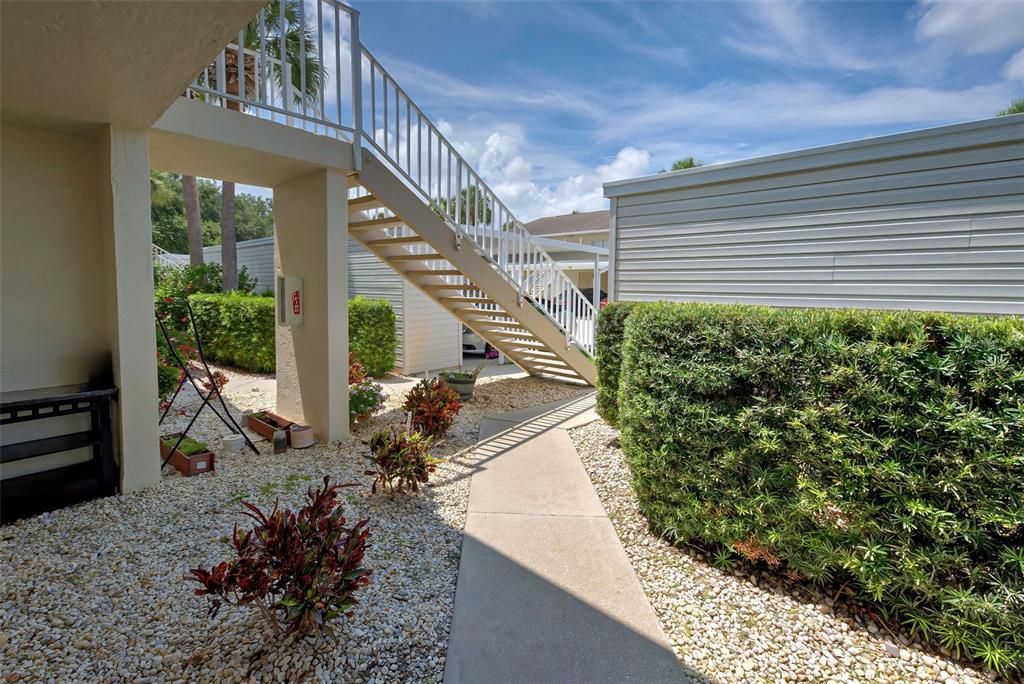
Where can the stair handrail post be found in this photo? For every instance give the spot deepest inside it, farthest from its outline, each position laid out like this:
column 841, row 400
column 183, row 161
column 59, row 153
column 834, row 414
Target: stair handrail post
column 356, row 60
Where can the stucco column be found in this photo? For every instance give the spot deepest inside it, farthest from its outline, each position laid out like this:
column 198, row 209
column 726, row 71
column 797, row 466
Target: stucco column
column 125, row 219
column 311, row 243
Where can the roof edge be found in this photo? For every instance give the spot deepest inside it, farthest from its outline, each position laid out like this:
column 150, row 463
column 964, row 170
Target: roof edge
column 984, row 131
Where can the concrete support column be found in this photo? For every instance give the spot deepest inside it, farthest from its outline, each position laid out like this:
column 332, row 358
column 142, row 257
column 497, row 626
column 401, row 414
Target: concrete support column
column 125, row 221
column 311, row 243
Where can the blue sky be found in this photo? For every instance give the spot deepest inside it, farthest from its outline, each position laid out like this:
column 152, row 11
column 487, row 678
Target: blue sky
column 550, row 99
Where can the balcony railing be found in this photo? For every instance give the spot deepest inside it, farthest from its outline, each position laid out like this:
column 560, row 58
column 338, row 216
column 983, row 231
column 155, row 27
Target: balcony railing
column 319, row 77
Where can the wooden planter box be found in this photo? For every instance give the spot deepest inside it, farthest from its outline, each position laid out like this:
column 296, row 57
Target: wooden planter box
column 271, row 422
column 196, row 464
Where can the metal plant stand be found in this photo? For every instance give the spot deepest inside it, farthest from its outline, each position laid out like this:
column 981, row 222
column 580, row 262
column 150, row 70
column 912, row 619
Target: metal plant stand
column 186, row 370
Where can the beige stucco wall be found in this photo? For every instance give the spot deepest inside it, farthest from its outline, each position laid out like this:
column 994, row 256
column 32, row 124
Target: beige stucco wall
column 73, row 206
column 311, row 241
column 54, row 319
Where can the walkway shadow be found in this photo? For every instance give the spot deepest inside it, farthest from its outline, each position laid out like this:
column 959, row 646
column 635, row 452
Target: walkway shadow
column 568, row 639
column 496, row 439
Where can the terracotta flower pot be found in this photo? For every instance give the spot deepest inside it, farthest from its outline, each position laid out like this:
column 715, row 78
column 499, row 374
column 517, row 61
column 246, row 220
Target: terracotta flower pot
column 186, row 464
column 266, row 423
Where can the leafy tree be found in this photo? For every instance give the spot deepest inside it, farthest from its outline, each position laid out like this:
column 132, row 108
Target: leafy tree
column 685, row 163
column 1016, row 107
column 475, row 207
column 169, row 213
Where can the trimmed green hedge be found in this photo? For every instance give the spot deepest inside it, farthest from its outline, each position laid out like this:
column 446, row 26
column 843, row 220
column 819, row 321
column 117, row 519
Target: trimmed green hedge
column 611, row 326
column 371, row 334
column 237, row 329
column 880, row 449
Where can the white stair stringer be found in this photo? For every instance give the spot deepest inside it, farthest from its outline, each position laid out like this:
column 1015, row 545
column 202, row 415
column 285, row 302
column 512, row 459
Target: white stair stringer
column 483, row 299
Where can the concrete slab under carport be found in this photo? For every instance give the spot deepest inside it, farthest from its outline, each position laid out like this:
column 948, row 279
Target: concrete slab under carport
column 546, row 592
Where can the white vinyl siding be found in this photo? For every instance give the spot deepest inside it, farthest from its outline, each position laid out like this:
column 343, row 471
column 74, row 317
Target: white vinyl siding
column 257, row 256
column 434, row 335
column 926, row 220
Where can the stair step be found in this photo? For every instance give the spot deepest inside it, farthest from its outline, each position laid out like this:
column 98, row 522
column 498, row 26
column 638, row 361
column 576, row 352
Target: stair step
column 365, row 203
column 415, row 257
column 563, row 372
column 491, row 324
column 521, row 336
column 542, row 361
column 429, row 272
column 529, row 348
column 470, row 300
column 432, row 286
column 385, row 242
column 370, row 224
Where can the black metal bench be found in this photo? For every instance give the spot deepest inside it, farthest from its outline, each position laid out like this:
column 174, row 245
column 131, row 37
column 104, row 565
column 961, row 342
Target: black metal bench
column 57, row 487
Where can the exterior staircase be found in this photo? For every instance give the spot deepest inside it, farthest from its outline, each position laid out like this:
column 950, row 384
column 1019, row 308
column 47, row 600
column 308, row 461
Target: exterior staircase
column 414, row 201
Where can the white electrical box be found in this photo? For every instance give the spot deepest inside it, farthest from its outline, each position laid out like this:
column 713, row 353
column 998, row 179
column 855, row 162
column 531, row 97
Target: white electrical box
column 289, row 300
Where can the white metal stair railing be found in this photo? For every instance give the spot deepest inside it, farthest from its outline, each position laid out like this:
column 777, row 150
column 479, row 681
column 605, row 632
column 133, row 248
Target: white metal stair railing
column 161, row 257
column 397, row 130
column 343, row 91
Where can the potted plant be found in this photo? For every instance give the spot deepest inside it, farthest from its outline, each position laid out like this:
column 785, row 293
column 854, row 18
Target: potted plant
column 192, row 457
column 461, row 381
column 266, row 423
column 364, row 399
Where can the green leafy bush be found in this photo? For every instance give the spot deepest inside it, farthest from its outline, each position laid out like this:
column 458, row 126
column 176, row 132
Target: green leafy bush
column 611, row 325
column 166, row 379
column 174, row 284
column 880, row 449
column 371, row 334
column 237, row 329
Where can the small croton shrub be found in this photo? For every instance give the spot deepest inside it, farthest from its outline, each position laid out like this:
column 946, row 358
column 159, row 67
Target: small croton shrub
column 356, row 370
column 878, row 453
column 401, row 460
column 432, row 406
column 300, row 569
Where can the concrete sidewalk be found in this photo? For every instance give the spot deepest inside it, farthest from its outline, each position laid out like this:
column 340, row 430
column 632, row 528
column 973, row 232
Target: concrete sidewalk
column 546, row 592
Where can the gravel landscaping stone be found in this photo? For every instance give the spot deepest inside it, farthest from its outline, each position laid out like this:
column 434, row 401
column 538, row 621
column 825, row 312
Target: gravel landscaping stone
column 96, row 592
column 743, row 625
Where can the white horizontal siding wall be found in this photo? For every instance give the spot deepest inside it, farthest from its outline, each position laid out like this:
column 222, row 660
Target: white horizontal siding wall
column 433, row 336
column 257, row 256
column 370, row 277
column 926, row 220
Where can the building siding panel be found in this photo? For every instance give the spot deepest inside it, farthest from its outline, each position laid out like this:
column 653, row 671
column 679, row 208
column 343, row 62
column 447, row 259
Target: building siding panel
column 926, row 220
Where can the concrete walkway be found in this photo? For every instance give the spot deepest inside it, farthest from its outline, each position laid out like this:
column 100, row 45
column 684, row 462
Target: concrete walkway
column 546, row 592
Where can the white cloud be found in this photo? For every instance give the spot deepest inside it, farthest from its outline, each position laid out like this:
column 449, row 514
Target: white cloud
column 1014, row 68
column 794, row 33
column 503, row 165
column 973, row 26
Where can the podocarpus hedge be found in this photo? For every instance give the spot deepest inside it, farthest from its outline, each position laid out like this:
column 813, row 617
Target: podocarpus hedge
column 883, row 451
column 237, row 329
column 371, row 334
column 611, row 326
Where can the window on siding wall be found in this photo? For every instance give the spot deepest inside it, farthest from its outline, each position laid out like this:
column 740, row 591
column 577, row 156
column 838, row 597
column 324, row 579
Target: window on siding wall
column 599, row 243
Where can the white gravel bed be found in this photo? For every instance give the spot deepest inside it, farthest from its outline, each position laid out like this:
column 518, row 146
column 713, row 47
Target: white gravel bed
column 743, row 626
column 96, row 592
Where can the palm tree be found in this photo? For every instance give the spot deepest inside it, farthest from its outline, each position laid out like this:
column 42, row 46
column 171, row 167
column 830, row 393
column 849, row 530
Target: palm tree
column 190, row 196
column 300, row 47
column 1016, row 107
column 685, row 163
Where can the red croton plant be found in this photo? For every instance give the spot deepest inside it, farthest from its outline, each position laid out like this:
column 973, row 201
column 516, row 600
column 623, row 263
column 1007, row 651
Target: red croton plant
column 432, row 406
column 300, row 569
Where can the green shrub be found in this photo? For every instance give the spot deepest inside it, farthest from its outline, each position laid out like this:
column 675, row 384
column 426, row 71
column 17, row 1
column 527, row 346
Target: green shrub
column 166, row 379
column 174, row 284
column 371, row 334
column 237, row 329
column 880, row 449
column 611, row 325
